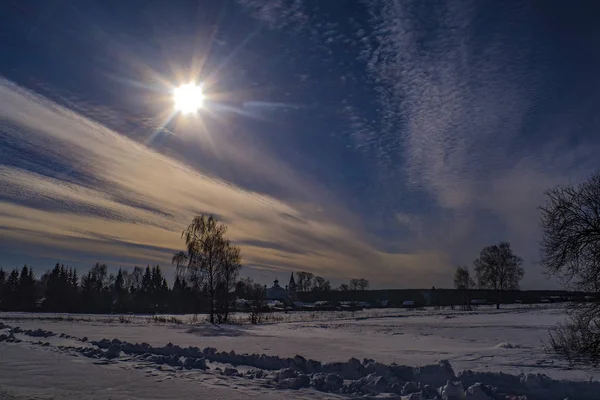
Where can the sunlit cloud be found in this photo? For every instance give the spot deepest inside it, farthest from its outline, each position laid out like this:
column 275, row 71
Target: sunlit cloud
column 120, row 198
column 391, row 146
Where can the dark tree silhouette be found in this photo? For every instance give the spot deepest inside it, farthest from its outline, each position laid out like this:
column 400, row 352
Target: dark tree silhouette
column 464, row 283
column 304, row 283
column 151, row 295
column 178, row 295
column 2, row 289
column 570, row 250
column 96, row 289
column 60, row 289
column 359, row 284
column 499, row 269
column 134, row 280
column 144, row 290
column 320, row 284
column 256, row 295
column 242, row 288
column 208, row 261
column 12, row 291
column 228, row 272
column 26, row 290
column 120, row 292
column 18, row 290
column 363, row 284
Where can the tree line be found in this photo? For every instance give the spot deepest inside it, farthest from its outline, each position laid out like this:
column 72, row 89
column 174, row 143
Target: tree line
column 497, row 268
column 207, row 272
column 60, row 290
column 308, row 282
column 205, row 280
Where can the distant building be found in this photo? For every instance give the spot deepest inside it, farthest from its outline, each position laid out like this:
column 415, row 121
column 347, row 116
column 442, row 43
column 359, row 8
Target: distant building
column 276, row 292
column 288, row 294
column 292, row 288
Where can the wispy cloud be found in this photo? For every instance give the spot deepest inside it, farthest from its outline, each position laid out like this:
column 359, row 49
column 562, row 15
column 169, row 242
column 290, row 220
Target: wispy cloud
column 118, row 197
column 460, row 105
column 467, row 131
column 448, row 119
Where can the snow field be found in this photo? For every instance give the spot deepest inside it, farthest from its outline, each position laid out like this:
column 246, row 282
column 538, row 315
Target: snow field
column 500, row 353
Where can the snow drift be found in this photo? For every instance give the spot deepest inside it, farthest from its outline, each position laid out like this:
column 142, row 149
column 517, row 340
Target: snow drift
column 353, row 378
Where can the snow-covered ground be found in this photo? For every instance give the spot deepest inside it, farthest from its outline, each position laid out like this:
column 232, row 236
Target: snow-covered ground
column 106, row 355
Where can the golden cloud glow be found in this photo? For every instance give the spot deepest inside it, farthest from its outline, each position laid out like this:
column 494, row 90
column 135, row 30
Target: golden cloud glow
column 122, row 199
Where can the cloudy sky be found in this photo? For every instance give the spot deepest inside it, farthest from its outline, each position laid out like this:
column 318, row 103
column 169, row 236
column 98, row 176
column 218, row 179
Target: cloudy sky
column 390, row 140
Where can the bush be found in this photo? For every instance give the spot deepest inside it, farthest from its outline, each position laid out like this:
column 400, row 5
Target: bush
column 160, row 319
column 577, row 340
column 571, row 251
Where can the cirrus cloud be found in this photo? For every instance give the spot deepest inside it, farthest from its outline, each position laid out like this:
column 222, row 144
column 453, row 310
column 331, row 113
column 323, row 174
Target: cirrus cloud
column 117, row 197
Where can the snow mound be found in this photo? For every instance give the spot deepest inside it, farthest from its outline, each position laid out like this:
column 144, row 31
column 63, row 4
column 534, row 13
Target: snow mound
column 172, row 355
column 229, row 371
column 452, row 390
column 366, row 378
column 353, row 378
column 532, row 386
column 32, row 333
column 10, row 338
column 476, row 392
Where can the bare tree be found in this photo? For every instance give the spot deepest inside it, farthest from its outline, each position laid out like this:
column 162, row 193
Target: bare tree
column 570, row 250
column 133, row 281
column 578, row 339
column 304, row 281
column 180, row 260
column 241, row 287
column 363, row 284
column 499, row 269
column 320, row 284
column 571, row 234
column 464, row 283
column 193, row 277
column 359, row 284
column 227, row 274
column 205, row 257
column 344, row 287
column 257, row 301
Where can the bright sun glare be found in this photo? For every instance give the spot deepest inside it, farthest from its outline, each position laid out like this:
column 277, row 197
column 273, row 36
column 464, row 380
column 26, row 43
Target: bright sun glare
column 188, row 98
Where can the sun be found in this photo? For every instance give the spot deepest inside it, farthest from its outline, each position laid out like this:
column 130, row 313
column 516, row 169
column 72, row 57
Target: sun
column 188, row 98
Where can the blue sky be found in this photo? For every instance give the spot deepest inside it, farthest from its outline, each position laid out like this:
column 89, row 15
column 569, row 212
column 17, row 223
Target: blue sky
column 390, row 140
